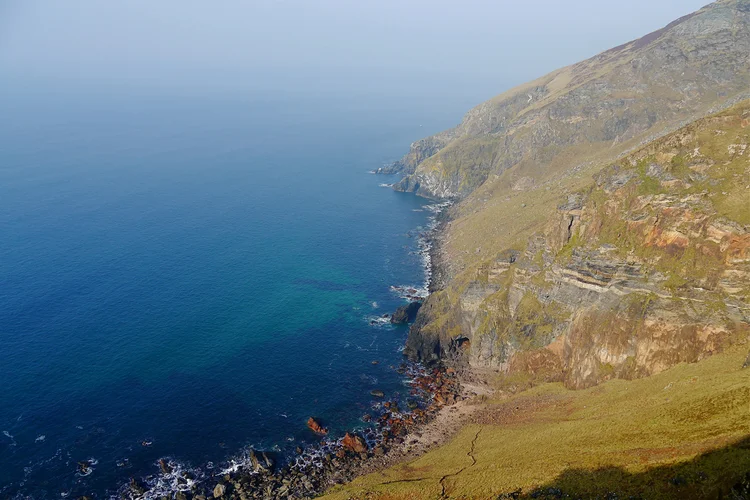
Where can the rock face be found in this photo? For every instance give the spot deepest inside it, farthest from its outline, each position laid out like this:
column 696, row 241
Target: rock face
column 624, row 95
column 647, row 267
column 406, row 314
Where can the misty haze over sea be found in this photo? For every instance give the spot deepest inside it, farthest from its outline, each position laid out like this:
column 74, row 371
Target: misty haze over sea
column 192, row 250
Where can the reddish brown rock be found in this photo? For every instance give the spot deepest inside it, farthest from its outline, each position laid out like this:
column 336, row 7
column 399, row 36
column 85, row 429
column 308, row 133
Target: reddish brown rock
column 354, row 443
column 316, row 427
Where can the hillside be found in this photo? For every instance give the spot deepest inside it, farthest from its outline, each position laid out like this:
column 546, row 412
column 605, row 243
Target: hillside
column 601, row 106
column 643, row 275
column 677, row 435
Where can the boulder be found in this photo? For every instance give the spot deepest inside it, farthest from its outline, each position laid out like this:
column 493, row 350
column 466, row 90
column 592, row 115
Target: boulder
column 219, row 490
column 136, row 487
column 354, row 443
column 164, row 466
column 746, row 364
column 377, row 393
column 267, row 461
column 254, row 461
column 406, row 314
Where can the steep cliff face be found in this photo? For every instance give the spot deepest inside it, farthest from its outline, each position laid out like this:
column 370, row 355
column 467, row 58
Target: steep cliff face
column 607, row 103
column 646, row 267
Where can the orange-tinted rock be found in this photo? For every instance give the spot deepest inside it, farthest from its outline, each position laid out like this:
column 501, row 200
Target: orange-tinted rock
column 354, row 443
column 316, row 427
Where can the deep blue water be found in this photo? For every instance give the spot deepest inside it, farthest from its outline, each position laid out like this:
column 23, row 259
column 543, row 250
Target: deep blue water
column 194, row 272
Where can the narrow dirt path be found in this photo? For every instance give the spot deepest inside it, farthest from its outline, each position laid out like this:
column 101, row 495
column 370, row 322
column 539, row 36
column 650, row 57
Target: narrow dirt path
column 470, row 454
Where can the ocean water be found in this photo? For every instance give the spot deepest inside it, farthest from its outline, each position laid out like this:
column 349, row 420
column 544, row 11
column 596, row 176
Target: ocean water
column 184, row 277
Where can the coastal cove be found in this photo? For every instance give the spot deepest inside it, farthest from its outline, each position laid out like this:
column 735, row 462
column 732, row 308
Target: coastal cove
column 166, row 297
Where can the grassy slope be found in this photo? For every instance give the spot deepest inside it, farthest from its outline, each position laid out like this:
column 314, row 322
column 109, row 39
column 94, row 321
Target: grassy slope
column 684, row 433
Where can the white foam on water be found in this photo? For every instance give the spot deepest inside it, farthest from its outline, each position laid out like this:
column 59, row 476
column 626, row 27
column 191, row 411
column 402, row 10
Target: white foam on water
column 384, row 185
column 378, row 321
column 424, row 244
column 40, row 438
column 180, row 478
column 10, row 436
column 241, row 462
column 410, row 292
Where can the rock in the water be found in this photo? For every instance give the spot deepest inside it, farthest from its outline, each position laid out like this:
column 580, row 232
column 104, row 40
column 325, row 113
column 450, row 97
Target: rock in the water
column 254, row 461
column 406, row 314
column 316, row 427
column 354, row 443
column 164, row 466
column 267, row 461
column 136, row 487
column 377, row 393
column 219, row 490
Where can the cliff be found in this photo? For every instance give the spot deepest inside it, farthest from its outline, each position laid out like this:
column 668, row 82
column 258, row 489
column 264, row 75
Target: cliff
column 593, row 237
column 647, row 267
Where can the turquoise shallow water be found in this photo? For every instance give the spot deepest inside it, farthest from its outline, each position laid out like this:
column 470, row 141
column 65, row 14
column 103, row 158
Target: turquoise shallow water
column 196, row 274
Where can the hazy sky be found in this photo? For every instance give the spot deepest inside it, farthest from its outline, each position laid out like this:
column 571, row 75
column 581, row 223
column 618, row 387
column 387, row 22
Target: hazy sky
column 309, row 42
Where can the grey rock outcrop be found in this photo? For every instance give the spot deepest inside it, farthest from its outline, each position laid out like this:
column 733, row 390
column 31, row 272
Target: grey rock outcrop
column 406, row 314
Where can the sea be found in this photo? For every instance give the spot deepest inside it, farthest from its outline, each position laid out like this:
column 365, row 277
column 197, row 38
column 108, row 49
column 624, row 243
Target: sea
column 186, row 275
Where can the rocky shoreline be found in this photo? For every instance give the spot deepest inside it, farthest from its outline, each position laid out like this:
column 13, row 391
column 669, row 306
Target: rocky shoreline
column 398, row 431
